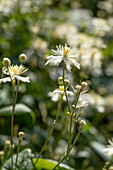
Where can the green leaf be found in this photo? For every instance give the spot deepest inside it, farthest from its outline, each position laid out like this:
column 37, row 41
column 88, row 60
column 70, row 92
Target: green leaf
column 44, row 164
column 24, row 161
column 99, row 148
column 20, row 109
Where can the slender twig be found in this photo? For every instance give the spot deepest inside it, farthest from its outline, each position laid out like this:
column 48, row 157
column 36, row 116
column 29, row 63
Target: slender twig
column 71, row 120
column 18, row 149
column 7, row 156
column 65, row 87
column 67, row 103
column 67, row 153
column 13, row 110
column 54, row 123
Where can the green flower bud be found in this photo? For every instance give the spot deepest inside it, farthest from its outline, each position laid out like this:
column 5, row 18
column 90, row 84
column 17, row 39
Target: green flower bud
column 66, row 82
column 22, row 58
column 84, row 84
column 6, row 62
column 7, row 142
column 82, row 124
column 1, row 156
column 60, row 80
column 1, row 153
column 21, row 134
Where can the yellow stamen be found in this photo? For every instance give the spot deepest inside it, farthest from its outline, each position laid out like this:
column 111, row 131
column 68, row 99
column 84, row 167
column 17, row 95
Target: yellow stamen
column 65, row 51
column 61, row 88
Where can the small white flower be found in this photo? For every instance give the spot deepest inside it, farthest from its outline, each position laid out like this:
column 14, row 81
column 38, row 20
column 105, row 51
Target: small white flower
column 66, row 54
column 109, row 149
column 15, row 72
column 61, row 91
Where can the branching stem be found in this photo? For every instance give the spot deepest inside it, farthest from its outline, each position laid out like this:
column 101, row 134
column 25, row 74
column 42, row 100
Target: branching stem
column 54, row 123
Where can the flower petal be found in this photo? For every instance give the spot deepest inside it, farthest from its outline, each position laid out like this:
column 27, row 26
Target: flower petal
column 74, row 62
column 56, row 52
column 4, row 80
column 56, row 60
column 67, row 65
column 23, row 79
column 5, row 70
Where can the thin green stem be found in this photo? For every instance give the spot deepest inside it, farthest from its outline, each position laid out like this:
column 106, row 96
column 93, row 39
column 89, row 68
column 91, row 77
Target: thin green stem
column 7, row 156
column 71, row 121
column 12, row 122
column 13, row 110
column 76, row 138
column 12, row 119
column 54, row 123
column 67, row 153
column 18, row 149
column 65, row 87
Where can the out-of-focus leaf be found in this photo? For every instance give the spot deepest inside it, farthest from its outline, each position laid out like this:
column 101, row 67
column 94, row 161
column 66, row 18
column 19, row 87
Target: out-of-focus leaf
column 99, row 148
column 49, row 165
column 20, row 109
column 24, row 161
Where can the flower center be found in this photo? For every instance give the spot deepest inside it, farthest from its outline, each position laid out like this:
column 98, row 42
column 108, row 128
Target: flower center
column 65, row 52
column 15, row 69
column 61, row 88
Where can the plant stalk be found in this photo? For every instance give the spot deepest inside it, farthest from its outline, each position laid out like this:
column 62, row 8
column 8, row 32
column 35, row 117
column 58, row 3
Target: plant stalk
column 65, row 87
column 71, row 120
column 18, row 149
column 54, row 123
column 12, row 119
column 67, row 153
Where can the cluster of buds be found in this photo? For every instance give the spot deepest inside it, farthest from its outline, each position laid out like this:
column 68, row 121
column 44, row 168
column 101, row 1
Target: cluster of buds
column 82, row 124
column 66, row 82
column 80, row 88
column 6, row 61
column 21, row 134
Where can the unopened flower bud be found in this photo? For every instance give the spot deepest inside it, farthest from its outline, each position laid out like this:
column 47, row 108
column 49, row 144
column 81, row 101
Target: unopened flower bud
column 82, row 124
column 61, row 88
column 1, row 156
column 1, row 153
column 13, row 146
column 7, row 145
column 84, row 84
column 6, row 62
column 66, row 82
column 78, row 87
column 60, row 80
column 22, row 58
column 111, row 168
column 21, row 134
column 7, row 142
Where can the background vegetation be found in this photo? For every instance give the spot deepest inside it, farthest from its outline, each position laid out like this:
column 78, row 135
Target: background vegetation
column 34, row 27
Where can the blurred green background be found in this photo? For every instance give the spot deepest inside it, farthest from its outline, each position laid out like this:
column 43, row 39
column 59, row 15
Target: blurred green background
column 34, row 28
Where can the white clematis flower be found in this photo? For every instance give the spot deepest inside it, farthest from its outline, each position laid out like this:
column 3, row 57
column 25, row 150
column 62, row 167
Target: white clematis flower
column 66, row 54
column 14, row 72
column 61, row 91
